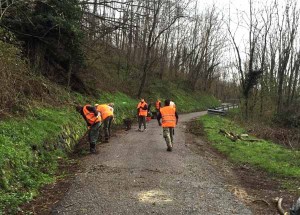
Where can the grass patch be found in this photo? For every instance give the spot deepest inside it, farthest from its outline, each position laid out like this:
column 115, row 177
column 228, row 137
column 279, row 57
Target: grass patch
column 266, row 155
column 30, row 152
column 186, row 100
column 30, row 147
column 125, row 106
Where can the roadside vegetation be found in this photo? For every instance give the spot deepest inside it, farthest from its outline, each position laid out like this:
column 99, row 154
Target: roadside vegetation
column 54, row 56
column 30, row 151
column 277, row 160
column 186, row 100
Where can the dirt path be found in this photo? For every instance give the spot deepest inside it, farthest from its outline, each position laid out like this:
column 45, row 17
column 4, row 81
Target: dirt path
column 134, row 174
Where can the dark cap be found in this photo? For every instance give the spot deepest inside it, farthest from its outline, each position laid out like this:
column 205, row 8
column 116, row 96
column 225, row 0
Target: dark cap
column 167, row 102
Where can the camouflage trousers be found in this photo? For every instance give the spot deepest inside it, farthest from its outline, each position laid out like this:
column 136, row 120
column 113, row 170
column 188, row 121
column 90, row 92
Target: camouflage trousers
column 168, row 134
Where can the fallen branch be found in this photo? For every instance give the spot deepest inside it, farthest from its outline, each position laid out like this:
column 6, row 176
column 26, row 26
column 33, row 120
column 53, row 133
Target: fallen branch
column 261, row 200
column 279, row 206
column 235, row 137
column 231, row 136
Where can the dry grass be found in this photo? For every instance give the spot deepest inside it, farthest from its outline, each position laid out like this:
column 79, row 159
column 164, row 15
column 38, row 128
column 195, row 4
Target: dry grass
column 19, row 87
column 14, row 78
column 287, row 137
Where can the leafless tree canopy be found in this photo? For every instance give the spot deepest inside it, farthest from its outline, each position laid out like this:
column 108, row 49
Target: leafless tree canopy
column 183, row 40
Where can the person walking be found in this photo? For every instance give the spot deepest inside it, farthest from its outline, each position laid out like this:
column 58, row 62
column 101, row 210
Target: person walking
column 169, row 118
column 142, row 111
column 93, row 120
column 107, row 115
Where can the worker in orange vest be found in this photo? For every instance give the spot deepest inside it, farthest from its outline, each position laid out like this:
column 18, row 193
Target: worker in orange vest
column 169, row 118
column 93, row 120
column 107, row 115
column 142, row 111
column 157, row 106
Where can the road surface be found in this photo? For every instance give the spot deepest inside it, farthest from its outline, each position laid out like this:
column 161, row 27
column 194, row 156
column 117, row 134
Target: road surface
column 135, row 174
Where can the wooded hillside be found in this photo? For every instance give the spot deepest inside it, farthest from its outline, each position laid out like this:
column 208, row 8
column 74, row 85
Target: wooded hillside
column 55, row 54
column 131, row 45
column 83, row 44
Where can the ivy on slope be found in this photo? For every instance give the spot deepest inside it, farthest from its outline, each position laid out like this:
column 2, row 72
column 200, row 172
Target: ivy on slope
column 30, row 150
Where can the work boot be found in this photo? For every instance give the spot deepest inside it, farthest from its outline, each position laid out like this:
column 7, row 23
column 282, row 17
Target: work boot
column 169, row 145
column 92, row 148
column 106, row 140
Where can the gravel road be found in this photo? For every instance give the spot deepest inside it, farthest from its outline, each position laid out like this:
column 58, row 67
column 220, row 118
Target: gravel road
column 134, row 174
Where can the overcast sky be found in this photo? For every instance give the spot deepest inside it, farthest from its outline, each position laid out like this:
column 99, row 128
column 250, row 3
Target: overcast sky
column 235, row 9
column 238, row 11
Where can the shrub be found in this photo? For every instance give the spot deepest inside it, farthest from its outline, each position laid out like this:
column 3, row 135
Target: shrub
column 14, row 76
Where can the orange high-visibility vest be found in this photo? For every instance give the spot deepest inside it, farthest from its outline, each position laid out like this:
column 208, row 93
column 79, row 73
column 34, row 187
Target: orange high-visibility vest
column 142, row 112
column 105, row 111
column 90, row 116
column 168, row 117
column 157, row 104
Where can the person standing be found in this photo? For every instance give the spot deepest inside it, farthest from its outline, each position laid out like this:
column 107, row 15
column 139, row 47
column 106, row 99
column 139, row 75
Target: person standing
column 93, row 120
column 142, row 111
column 157, row 106
column 107, row 115
column 169, row 118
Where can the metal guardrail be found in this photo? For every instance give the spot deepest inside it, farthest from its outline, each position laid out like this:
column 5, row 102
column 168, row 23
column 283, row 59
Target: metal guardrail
column 222, row 110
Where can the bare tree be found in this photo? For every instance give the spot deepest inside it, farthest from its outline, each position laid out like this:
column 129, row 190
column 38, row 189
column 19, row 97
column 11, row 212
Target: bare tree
column 286, row 39
column 154, row 36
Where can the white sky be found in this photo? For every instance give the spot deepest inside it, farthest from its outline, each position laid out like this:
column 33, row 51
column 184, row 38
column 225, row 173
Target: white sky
column 238, row 11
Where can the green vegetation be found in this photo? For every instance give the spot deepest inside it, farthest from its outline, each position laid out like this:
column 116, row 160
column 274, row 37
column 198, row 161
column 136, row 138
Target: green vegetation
column 271, row 157
column 125, row 106
column 186, row 100
column 30, row 150
column 31, row 147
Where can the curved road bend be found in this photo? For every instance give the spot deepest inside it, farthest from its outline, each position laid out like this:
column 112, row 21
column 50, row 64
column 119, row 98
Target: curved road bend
column 134, row 174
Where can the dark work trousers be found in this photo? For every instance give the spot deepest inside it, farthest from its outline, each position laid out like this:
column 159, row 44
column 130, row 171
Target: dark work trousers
column 157, row 112
column 142, row 119
column 94, row 134
column 106, row 127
